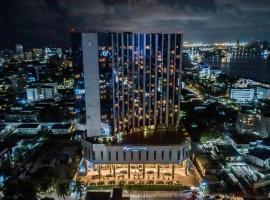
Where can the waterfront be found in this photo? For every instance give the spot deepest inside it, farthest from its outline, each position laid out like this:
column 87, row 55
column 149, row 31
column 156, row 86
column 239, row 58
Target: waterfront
column 254, row 67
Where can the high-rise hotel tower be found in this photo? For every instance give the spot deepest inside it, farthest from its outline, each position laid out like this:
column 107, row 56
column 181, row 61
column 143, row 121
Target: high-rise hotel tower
column 132, row 98
column 132, row 81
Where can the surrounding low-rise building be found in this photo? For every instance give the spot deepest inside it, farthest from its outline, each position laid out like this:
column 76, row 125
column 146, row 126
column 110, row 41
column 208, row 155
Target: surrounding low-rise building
column 60, row 129
column 243, row 143
column 22, row 116
column 28, row 129
column 262, row 92
column 260, row 157
column 227, row 152
column 207, row 165
column 242, row 95
column 3, row 129
column 247, row 121
column 41, row 91
column 263, row 128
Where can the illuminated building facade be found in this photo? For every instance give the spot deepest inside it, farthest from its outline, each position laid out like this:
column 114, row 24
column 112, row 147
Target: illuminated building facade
column 133, row 81
column 132, row 99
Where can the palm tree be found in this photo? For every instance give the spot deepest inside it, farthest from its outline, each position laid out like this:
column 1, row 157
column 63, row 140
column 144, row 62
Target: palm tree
column 62, row 189
column 78, row 189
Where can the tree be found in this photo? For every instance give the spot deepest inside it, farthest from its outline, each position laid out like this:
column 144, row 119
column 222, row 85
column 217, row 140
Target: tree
column 78, row 189
column 62, row 189
column 19, row 190
column 209, row 135
column 45, row 178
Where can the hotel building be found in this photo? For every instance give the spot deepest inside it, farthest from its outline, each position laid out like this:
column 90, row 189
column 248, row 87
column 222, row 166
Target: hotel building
column 132, row 98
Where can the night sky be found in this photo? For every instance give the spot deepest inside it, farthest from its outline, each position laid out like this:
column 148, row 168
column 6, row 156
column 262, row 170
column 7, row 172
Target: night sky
column 43, row 22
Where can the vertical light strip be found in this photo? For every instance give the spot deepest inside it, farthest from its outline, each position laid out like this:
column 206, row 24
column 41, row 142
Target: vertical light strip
column 150, row 82
column 162, row 71
column 155, row 101
column 123, row 80
column 138, row 80
column 167, row 79
column 180, row 76
column 127, row 78
column 174, row 84
column 113, row 82
column 144, row 74
column 133, row 84
column 117, row 72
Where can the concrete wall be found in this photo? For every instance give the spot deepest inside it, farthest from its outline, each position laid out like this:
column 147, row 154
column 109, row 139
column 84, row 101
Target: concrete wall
column 182, row 149
column 91, row 80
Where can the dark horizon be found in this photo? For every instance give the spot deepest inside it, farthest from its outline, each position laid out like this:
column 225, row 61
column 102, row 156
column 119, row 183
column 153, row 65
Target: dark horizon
column 44, row 22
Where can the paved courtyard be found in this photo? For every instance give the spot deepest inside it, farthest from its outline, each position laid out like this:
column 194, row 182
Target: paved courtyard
column 138, row 174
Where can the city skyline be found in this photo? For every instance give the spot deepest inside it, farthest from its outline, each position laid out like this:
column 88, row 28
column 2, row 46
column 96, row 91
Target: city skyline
column 207, row 21
column 134, row 99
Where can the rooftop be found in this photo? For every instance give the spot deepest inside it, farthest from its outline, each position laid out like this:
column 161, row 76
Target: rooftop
column 28, row 125
column 261, row 153
column 60, row 126
column 244, row 138
column 227, row 150
column 207, row 162
column 153, row 137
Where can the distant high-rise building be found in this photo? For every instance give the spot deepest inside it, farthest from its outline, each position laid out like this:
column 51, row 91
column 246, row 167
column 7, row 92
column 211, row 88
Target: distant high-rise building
column 77, row 61
column 19, row 49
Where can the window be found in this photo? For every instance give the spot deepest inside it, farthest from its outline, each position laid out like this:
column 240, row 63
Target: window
column 101, row 155
column 93, row 155
column 183, row 153
column 139, row 155
column 178, row 155
column 109, row 156
column 170, row 155
column 162, row 155
column 131, row 155
column 155, row 155
column 147, row 154
column 124, row 156
column 116, row 155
